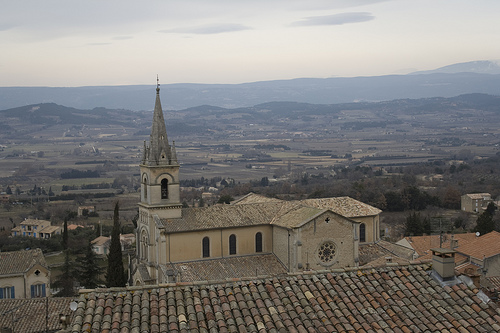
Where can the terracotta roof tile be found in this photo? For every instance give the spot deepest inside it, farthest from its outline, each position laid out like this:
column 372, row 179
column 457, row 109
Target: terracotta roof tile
column 28, row 315
column 484, row 246
column 368, row 300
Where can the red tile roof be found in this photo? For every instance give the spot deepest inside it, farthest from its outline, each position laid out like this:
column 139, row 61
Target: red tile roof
column 424, row 244
column 392, row 299
column 483, row 246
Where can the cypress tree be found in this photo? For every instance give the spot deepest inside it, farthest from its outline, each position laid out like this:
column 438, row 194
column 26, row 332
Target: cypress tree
column 65, row 234
column 66, row 279
column 89, row 270
column 116, row 274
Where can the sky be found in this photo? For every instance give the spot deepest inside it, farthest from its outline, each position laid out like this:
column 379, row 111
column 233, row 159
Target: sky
column 67, row 43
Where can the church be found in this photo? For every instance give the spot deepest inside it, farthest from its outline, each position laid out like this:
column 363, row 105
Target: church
column 253, row 236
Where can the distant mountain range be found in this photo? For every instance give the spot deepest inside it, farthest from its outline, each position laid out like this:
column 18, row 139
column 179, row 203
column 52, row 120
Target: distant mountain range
column 448, row 81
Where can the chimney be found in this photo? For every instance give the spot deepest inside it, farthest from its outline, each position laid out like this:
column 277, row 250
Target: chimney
column 443, row 263
column 453, row 243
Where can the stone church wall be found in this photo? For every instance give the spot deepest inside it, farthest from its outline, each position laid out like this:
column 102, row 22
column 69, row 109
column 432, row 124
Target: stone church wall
column 327, row 242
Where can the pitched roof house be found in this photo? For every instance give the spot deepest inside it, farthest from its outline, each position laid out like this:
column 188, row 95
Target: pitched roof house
column 24, row 274
column 482, row 255
column 389, row 299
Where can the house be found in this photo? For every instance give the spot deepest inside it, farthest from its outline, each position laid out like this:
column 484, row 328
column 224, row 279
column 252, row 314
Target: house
column 475, row 255
column 422, row 245
column 278, row 235
column 85, row 210
column 482, row 255
column 36, row 228
column 389, row 299
column 101, row 244
column 475, row 202
column 24, row 274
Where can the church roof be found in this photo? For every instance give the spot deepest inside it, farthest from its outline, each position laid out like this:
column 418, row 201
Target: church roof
column 389, row 299
column 345, row 206
column 288, row 214
column 18, row 262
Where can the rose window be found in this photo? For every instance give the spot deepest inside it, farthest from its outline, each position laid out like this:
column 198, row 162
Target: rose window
column 326, row 252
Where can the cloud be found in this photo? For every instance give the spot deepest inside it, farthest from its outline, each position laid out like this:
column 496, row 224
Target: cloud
column 99, row 44
column 209, row 29
column 336, row 19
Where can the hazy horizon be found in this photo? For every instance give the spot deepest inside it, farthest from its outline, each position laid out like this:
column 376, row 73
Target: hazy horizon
column 63, row 43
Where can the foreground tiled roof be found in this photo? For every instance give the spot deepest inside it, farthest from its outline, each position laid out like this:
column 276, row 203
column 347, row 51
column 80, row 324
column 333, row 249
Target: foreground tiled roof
column 495, row 281
column 393, row 299
column 28, row 315
column 225, row 268
column 484, row 246
column 18, row 262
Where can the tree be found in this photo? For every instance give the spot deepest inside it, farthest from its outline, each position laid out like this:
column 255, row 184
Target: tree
column 485, row 222
column 8, row 190
column 88, row 268
column 116, row 274
column 66, row 279
column 416, row 226
column 226, row 199
column 65, row 234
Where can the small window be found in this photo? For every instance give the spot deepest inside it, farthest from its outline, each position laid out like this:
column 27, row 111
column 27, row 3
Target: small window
column 206, row 247
column 362, row 233
column 7, row 292
column 232, row 244
column 38, row 290
column 164, row 188
column 145, row 188
column 258, row 242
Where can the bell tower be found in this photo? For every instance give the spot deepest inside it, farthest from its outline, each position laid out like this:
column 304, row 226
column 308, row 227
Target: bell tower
column 159, row 172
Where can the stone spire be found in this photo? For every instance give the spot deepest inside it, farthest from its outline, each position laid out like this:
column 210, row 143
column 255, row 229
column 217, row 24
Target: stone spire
column 159, row 151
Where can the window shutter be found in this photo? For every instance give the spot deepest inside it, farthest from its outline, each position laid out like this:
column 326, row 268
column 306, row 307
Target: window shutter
column 33, row 291
column 1, row 293
column 13, row 295
column 43, row 290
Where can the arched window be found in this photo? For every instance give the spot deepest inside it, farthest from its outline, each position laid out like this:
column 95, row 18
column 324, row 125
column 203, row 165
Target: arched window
column 145, row 182
column 362, row 233
column 258, row 242
column 144, row 245
column 164, row 188
column 232, row 244
column 206, row 247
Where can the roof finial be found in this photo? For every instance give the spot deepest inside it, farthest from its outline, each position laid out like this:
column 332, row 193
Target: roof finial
column 157, row 84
